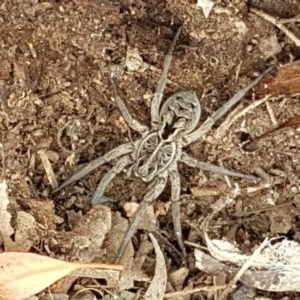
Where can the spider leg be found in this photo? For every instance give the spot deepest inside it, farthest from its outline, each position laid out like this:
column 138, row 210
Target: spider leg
column 192, row 162
column 131, row 122
column 156, row 188
column 98, row 196
column 155, row 105
column 175, row 198
column 210, row 121
column 112, row 154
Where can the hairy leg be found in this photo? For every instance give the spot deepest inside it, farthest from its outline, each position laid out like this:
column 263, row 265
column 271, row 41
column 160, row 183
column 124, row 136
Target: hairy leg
column 131, row 122
column 112, row 154
column 155, row 189
column 175, row 198
column 192, row 162
column 98, row 196
column 156, row 102
column 210, row 121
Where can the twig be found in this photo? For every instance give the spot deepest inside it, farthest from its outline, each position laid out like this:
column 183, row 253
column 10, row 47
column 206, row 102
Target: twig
column 225, row 177
column 231, row 119
column 271, row 113
column 260, row 187
column 242, row 270
column 291, row 20
column 48, row 168
column 262, row 174
column 3, row 162
column 278, row 24
column 195, row 290
column 259, row 211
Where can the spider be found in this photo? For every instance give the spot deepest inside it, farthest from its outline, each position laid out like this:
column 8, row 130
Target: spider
column 155, row 156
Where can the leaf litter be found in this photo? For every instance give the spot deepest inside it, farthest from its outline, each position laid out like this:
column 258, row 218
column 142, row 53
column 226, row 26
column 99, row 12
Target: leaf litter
column 275, row 267
column 19, row 269
column 25, row 274
column 156, row 289
column 6, row 229
column 44, row 93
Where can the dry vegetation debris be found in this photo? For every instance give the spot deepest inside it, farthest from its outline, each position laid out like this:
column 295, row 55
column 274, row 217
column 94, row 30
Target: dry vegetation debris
column 57, row 114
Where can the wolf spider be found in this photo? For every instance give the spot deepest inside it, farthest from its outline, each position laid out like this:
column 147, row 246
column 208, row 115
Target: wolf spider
column 155, row 156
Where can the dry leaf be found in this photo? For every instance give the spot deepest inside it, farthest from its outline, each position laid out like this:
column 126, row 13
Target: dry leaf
column 89, row 233
column 178, row 277
column 279, row 259
column 157, row 287
column 6, row 229
column 48, row 168
column 269, row 46
column 25, row 226
column 25, row 232
column 134, row 61
column 25, row 274
column 268, row 280
column 133, row 272
column 206, row 6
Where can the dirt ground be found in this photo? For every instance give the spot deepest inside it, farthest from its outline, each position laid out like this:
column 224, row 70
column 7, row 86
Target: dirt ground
column 56, row 102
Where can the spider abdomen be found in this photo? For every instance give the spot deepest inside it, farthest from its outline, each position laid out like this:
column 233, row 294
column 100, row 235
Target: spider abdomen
column 154, row 155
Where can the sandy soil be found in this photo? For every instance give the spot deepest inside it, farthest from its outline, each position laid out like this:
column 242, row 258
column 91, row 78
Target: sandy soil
column 56, row 97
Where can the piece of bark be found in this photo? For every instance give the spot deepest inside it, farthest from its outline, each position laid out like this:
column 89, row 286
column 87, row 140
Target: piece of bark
column 285, row 82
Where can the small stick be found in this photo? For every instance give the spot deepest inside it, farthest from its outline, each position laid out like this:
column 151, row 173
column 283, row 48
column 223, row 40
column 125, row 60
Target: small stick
column 226, row 177
column 278, row 24
column 271, row 113
column 231, row 119
column 243, row 269
column 291, row 20
column 195, row 290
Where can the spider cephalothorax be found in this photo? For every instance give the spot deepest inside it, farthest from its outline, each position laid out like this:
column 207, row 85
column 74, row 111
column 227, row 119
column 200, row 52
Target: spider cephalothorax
column 154, row 157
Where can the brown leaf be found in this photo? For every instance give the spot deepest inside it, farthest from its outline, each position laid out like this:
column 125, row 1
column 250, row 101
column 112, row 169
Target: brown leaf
column 25, row 274
column 285, row 82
